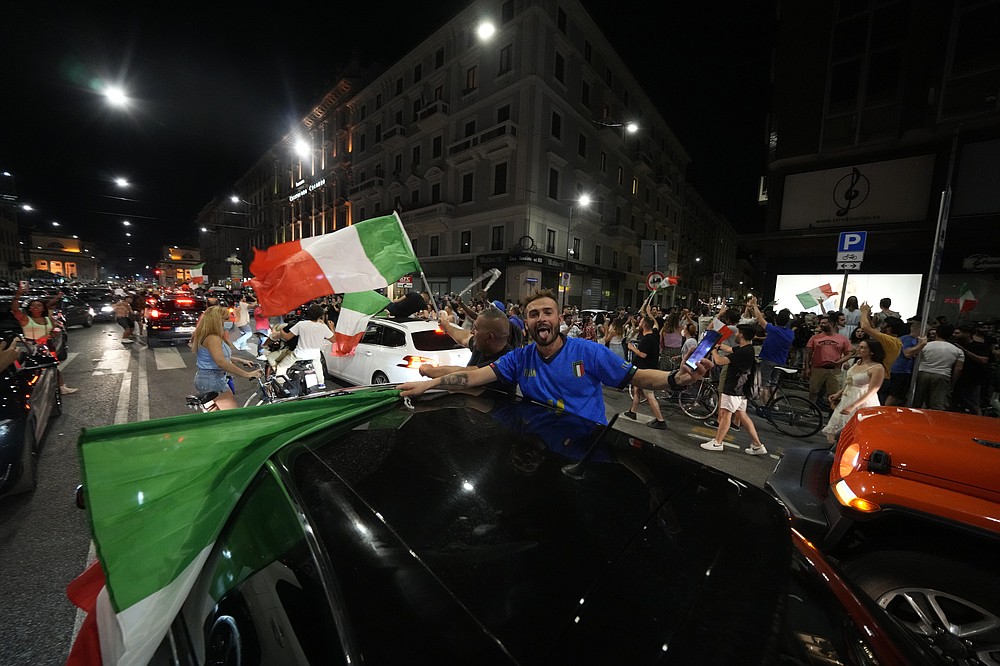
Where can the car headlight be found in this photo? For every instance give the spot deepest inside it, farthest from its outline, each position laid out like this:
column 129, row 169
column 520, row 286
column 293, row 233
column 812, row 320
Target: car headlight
column 849, row 460
column 90, row 311
column 107, row 308
column 846, row 496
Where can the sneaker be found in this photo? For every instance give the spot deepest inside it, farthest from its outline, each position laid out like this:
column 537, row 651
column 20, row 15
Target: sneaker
column 630, row 415
column 127, row 341
column 657, row 425
column 65, row 390
column 320, row 387
column 712, row 445
column 736, row 427
column 756, row 450
column 711, row 423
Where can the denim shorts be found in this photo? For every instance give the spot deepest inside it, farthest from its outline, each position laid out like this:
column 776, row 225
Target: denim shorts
column 211, row 380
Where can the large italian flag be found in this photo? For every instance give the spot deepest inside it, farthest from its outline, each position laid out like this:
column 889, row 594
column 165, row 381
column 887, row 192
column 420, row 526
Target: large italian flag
column 815, row 297
column 197, row 274
column 355, row 312
column 159, row 493
column 364, row 256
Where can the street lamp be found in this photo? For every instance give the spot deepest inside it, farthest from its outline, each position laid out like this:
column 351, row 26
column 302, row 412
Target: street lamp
column 583, row 201
column 116, row 96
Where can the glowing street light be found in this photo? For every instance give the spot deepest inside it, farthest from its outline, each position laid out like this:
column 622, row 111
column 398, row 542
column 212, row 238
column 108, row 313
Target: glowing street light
column 116, row 96
column 121, row 182
column 128, row 234
column 126, row 223
column 582, row 201
column 301, row 148
column 631, row 128
column 486, row 30
column 27, row 207
column 54, row 223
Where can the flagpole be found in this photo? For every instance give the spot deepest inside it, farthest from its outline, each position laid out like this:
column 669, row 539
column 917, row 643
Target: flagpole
column 423, row 278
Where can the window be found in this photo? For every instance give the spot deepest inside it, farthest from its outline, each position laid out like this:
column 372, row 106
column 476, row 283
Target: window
column 504, row 60
column 553, row 184
column 647, row 196
column 361, row 143
column 438, row 93
column 506, row 11
column 378, row 208
column 635, row 186
column 414, row 197
column 500, row 178
column 621, row 175
column 436, row 147
column 362, row 213
column 631, row 221
column 466, row 246
column 503, row 114
column 417, row 73
column 588, row 51
column 467, row 183
column 604, row 162
column 550, row 241
column 607, row 76
column 439, row 58
column 576, row 249
column 378, row 101
column 597, row 255
column 560, row 69
column 585, row 93
column 393, row 337
column 556, row 126
column 398, row 162
column 436, row 193
column 614, row 259
column 364, row 111
column 416, row 155
column 399, row 86
column 561, row 20
column 416, row 108
column 397, row 203
column 618, row 214
column 496, row 242
column 378, row 133
column 628, row 263
column 470, row 128
column 435, row 248
column 399, row 117
column 581, row 146
column 470, row 79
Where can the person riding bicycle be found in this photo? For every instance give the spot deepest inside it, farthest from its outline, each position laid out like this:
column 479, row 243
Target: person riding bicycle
column 215, row 358
column 311, row 333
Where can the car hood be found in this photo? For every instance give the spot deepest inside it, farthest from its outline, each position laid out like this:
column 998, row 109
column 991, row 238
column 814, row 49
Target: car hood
column 945, row 449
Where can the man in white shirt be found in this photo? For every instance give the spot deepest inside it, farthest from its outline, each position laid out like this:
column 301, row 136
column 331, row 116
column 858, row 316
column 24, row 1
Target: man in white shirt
column 312, row 334
column 939, row 368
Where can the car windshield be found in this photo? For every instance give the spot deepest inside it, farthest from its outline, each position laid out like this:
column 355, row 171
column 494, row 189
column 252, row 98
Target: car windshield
column 435, row 340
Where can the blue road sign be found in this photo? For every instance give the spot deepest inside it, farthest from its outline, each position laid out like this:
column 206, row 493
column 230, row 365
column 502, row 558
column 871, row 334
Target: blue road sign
column 852, row 241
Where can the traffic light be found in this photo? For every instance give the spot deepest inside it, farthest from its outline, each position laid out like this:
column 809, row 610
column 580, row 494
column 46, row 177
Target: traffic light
column 157, row 271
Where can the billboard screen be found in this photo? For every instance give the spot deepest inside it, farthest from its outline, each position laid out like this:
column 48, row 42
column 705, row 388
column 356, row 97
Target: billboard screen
column 904, row 290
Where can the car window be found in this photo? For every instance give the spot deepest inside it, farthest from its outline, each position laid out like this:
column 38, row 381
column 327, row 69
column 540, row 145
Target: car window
column 435, row 340
column 372, row 335
column 393, row 337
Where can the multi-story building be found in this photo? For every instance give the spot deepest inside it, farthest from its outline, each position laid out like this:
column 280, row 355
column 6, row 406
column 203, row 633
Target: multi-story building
column 487, row 146
column 63, row 256
column 879, row 108
column 175, row 264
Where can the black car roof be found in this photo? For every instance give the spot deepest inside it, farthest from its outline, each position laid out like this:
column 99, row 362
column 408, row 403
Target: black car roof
column 548, row 563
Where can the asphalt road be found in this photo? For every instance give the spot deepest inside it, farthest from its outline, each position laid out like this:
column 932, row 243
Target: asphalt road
column 45, row 539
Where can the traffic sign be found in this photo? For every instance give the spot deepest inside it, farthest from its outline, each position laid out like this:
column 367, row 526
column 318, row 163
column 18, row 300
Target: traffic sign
column 850, row 256
column 564, row 278
column 653, row 280
column 848, row 265
column 852, row 241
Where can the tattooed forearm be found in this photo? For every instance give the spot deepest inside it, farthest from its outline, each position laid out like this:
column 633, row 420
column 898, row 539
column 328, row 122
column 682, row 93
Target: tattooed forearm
column 455, row 379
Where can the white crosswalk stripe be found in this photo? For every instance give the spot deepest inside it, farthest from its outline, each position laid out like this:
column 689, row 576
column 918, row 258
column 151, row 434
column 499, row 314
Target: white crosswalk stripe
column 113, row 362
column 168, row 359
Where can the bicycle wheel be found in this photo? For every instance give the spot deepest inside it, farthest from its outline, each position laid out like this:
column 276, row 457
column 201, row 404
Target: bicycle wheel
column 699, row 400
column 794, row 416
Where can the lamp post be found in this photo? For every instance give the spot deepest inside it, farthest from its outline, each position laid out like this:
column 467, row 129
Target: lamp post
column 583, row 201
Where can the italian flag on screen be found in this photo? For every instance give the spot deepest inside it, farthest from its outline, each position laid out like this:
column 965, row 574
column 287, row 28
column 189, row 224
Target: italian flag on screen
column 814, row 297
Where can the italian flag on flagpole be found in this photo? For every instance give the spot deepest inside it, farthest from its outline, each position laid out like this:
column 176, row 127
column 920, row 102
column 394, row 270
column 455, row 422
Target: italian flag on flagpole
column 966, row 299
column 355, row 312
column 159, row 494
column 196, row 274
column 368, row 255
column 815, row 297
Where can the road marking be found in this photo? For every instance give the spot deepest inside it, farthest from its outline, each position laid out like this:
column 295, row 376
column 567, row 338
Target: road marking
column 142, row 408
column 114, row 362
column 168, row 359
column 80, row 614
column 69, row 359
column 124, row 396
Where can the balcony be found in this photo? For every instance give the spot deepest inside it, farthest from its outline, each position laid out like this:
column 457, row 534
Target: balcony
column 429, row 219
column 642, row 161
column 394, row 137
column 498, row 137
column 370, row 183
column 433, row 117
column 620, row 236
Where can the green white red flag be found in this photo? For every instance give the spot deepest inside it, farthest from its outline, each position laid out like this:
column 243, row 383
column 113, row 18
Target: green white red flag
column 197, row 275
column 368, row 255
column 159, row 494
column 815, row 297
column 966, row 300
column 355, row 311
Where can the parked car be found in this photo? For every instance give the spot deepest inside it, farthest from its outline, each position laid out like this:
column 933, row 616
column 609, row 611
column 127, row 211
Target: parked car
column 171, row 318
column 100, row 300
column 392, row 350
column 29, row 400
column 487, row 530
column 75, row 312
column 909, row 502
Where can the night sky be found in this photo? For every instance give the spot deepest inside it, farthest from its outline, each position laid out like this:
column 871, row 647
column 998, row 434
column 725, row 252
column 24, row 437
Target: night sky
column 212, row 89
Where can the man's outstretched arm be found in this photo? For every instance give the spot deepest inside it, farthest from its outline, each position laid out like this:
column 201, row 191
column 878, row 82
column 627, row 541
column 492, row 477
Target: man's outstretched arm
column 455, row 381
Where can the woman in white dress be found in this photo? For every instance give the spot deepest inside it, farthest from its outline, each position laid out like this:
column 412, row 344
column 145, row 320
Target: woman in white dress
column 860, row 388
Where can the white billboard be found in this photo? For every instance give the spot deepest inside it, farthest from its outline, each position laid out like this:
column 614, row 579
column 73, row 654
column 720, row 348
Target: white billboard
column 904, row 290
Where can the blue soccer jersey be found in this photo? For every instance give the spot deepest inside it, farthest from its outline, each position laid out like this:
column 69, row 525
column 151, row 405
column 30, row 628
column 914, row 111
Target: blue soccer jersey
column 571, row 380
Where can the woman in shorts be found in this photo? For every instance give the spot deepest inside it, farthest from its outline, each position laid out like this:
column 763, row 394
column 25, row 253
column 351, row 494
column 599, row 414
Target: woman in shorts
column 215, row 358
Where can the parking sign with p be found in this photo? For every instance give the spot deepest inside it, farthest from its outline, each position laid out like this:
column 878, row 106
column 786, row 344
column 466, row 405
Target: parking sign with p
column 852, row 241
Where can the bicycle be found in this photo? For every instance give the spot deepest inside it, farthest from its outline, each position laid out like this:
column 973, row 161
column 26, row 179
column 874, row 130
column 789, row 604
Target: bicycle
column 791, row 415
column 297, row 381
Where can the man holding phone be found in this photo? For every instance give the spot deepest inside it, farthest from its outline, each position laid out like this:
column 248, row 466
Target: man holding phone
column 732, row 399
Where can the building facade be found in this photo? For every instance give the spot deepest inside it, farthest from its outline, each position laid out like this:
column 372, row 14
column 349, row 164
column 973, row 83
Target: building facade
column 63, row 256
column 487, row 148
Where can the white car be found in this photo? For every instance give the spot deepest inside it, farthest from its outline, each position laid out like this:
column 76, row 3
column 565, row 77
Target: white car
column 392, row 350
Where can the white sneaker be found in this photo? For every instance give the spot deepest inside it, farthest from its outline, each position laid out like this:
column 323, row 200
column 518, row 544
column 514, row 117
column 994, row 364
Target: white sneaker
column 65, row 390
column 756, row 450
column 712, row 445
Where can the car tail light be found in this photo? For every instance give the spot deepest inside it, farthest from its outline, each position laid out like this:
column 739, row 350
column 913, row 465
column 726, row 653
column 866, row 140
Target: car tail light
column 155, row 314
column 414, row 362
column 846, row 496
column 849, row 460
column 187, row 301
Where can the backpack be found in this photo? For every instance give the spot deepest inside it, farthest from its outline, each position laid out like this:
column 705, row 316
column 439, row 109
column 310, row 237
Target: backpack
column 753, row 383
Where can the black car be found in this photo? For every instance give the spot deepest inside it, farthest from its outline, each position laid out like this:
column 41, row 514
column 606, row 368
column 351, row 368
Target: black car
column 29, row 400
column 494, row 531
column 172, row 318
column 100, row 300
column 75, row 312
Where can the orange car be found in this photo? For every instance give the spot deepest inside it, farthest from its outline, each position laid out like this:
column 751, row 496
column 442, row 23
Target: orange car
column 908, row 502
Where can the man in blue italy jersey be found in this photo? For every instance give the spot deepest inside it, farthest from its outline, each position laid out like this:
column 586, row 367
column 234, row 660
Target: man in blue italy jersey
column 565, row 373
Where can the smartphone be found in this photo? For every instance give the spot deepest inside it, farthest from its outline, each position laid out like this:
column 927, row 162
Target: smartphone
column 711, row 339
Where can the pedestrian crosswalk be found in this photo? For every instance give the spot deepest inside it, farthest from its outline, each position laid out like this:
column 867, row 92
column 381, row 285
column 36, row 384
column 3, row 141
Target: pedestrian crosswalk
column 169, row 358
